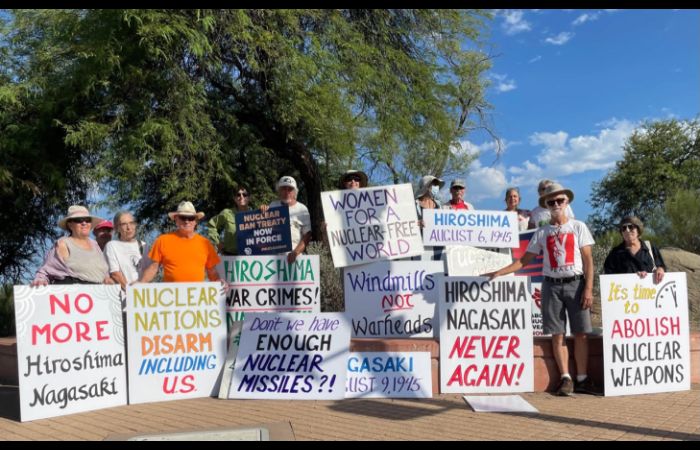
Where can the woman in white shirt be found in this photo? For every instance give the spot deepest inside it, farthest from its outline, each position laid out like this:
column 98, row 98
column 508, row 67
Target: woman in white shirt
column 126, row 256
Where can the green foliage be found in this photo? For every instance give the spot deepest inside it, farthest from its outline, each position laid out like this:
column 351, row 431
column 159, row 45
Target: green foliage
column 677, row 222
column 332, row 294
column 158, row 106
column 658, row 158
column 7, row 311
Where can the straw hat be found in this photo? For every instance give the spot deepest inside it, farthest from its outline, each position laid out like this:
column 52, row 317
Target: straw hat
column 77, row 212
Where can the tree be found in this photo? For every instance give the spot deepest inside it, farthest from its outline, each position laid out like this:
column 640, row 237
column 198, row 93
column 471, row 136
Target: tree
column 677, row 222
column 157, row 106
column 658, row 158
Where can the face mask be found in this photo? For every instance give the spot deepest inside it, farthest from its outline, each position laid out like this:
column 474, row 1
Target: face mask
column 434, row 190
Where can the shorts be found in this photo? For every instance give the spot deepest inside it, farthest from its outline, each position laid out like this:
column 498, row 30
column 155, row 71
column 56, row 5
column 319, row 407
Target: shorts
column 557, row 300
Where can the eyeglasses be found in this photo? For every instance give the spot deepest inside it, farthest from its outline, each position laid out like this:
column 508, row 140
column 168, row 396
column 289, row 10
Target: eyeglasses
column 81, row 220
column 627, row 227
column 558, row 201
column 188, row 218
column 352, row 178
column 242, row 194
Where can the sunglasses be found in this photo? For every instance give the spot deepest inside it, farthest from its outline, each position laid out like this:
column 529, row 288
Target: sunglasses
column 627, row 228
column 557, row 201
column 242, row 194
column 352, row 178
column 188, row 218
column 81, row 220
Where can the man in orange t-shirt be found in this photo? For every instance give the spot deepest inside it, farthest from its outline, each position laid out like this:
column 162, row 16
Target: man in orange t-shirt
column 184, row 254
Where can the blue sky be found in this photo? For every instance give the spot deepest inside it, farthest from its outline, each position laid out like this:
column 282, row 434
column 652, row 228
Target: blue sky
column 569, row 86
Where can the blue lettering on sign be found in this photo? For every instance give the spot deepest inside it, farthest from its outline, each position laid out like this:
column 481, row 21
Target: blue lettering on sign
column 360, row 199
column 471, row 220
column 380, row 364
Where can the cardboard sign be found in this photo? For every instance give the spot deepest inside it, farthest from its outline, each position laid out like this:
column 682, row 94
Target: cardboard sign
column 177, row 340
column 292, row 356
column 264, row 233
column 485, row 335
column 393, row 298
column 371, row 224
column 646, row 343
column 389, row 375
column 70, row 349
column 466, row 261
column 466, row 227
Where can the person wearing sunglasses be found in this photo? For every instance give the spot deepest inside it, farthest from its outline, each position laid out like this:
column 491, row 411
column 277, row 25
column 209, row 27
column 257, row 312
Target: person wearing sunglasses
column 634, row 255
column 184, row 254
column 226, row 221
column 539, row 215
column 76, row 258
column 567, row 289
column 353, row 179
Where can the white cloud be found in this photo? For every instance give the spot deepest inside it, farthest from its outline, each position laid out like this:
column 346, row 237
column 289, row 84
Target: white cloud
column 485, row 182
column 535, row 59
column 503, row 83
column 559, row 155
column 562, row 155
column 583, row 18
column 514, row 23
column 560, row 39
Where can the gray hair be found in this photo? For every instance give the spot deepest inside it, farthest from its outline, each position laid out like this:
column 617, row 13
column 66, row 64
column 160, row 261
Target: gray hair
column 117, row 218
column 511, row 189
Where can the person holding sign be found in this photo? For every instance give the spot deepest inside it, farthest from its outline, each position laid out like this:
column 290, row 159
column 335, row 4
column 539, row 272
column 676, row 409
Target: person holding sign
column 125, row 255
column 226, row 221
column 512, row 202
column 353, row 179
column 184, row 254
column 299, row 217
column 633, row 257
column 427, row 198
column 75, row 259
column 567, row 287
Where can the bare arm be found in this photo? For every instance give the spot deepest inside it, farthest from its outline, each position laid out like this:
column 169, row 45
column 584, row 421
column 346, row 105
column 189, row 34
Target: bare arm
column 589, row 274
column 119, row 278
column 212, row 274
column 149, row 273
column 514, row 267
column 299, row 249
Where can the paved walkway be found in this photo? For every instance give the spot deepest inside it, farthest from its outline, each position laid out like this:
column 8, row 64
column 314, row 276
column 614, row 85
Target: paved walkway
column 668, row 416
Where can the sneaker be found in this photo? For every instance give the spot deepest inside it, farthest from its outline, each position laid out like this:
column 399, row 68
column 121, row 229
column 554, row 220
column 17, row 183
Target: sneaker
column 587, row 386
column 566, row 387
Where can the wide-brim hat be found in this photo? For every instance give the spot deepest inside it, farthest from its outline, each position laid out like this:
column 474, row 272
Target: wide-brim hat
column 632, row 220
column 554, row 189
column 359, row 173
column 185, row 209
column 425, row 183
column 77, row 212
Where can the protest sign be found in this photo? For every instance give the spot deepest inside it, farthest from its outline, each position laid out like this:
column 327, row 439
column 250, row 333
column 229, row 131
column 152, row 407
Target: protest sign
column 292, row 356
column 371, row 224
column 393, row 298
column 177, row 340
column 646, row 343
column 389, row 375
column 70, row 349
column 470, row 227
column 534, row 269
column 264, row 233
column 466, row 261
column 485, row 335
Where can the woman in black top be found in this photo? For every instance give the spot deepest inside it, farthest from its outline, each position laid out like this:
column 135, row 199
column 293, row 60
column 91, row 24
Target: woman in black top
column 633, row 255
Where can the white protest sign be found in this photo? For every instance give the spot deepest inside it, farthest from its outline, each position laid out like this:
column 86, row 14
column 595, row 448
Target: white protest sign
column 393, row 298
column 478, row 228
column 371, row 224
column 485, row 335
column 389, row 375
column 646, row 337
column 467, row 261
column 292, row 356
column 177, row 340
column 70, row 349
